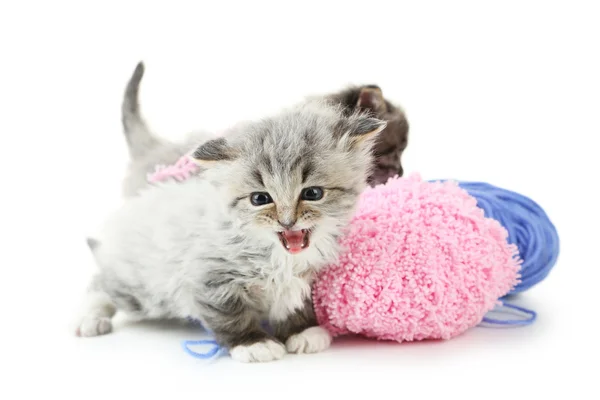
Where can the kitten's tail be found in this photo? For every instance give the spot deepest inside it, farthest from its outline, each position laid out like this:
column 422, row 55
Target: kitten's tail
column 139, row 138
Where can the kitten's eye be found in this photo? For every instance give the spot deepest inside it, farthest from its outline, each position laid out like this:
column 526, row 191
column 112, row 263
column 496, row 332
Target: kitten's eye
column 312, row 193
column 260, row 198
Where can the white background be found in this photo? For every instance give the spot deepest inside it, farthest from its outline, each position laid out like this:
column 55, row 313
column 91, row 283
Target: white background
column 506, row 93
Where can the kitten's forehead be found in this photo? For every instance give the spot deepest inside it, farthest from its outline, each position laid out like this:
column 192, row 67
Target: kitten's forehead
column 290, row 143
column 306, row 146
column 282, row 165
column 299, row 130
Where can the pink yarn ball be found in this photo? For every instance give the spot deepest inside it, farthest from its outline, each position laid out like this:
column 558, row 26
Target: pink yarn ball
column 420, row 262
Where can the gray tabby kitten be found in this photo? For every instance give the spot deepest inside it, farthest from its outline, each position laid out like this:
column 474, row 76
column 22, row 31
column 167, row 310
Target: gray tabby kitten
column 241, row 243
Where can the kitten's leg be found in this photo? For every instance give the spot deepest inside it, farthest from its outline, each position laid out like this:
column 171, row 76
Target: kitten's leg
column 301, row 333
column 235, row 323
column 97, row 311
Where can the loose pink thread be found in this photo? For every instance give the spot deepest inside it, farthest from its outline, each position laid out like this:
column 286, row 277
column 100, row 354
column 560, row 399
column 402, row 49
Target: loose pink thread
column 180, row 171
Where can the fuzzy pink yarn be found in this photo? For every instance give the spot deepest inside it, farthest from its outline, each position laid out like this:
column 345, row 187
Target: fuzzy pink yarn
column 420, row 262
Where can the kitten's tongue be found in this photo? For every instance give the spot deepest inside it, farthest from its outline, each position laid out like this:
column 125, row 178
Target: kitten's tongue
column 294, row 241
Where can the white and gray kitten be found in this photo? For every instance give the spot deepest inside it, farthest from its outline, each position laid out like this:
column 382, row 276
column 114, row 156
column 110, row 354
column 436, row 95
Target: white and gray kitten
column 240, row 243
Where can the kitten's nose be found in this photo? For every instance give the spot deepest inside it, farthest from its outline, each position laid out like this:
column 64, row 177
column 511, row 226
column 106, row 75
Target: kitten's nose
column 287, row 224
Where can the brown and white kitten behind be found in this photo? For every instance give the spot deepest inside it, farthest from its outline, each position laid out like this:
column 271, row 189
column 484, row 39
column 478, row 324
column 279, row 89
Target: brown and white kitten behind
column 392, row 141
column 147, row 149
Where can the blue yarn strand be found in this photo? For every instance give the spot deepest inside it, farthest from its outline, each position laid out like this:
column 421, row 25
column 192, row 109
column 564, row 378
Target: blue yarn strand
column 209, row 354
column 528, row 227
column 215, row 350
column 513, row 322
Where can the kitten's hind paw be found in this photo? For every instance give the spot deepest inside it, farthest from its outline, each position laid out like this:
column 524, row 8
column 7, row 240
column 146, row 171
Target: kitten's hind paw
column 311, row 340
column 267, row 350
column 94, row 326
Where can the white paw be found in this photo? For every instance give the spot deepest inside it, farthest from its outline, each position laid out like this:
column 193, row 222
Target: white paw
column 311, row 340
column 92, row 326
column 267, row 350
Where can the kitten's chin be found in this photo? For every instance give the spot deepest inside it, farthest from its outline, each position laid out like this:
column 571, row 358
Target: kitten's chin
column 294, row 241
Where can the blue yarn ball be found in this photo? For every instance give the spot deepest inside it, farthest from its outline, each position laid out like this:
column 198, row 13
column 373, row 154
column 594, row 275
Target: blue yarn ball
column 528, row 226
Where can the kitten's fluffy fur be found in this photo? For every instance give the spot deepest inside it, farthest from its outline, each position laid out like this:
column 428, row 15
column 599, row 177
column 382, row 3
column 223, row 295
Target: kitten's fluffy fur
column 200, row 249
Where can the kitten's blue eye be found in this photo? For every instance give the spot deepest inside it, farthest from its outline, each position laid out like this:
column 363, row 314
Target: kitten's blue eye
column 260, row 198
column 312, row 193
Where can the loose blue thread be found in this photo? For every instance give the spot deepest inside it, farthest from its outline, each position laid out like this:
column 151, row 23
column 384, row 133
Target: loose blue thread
column 512, row 322
column 208, row 354
column 214, row 351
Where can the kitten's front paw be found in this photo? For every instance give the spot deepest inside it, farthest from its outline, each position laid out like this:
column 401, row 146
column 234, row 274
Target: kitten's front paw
column 267, row 350
column 91, row 326
column 311, row 340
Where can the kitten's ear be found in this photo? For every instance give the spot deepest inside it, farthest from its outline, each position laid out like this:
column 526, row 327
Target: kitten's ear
column 371, row 98
column 213, row 151
column 362, row 130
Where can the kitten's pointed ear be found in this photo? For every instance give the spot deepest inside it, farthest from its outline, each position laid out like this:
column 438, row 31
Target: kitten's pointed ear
column 371, row 98
column 213, row 151
column 363, row 130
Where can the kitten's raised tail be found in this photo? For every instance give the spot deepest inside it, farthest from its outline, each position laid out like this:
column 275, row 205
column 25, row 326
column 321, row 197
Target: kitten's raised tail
column 139, row 138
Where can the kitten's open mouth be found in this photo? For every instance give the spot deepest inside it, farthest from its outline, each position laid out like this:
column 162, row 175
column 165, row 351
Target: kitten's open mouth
column 295, row 241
